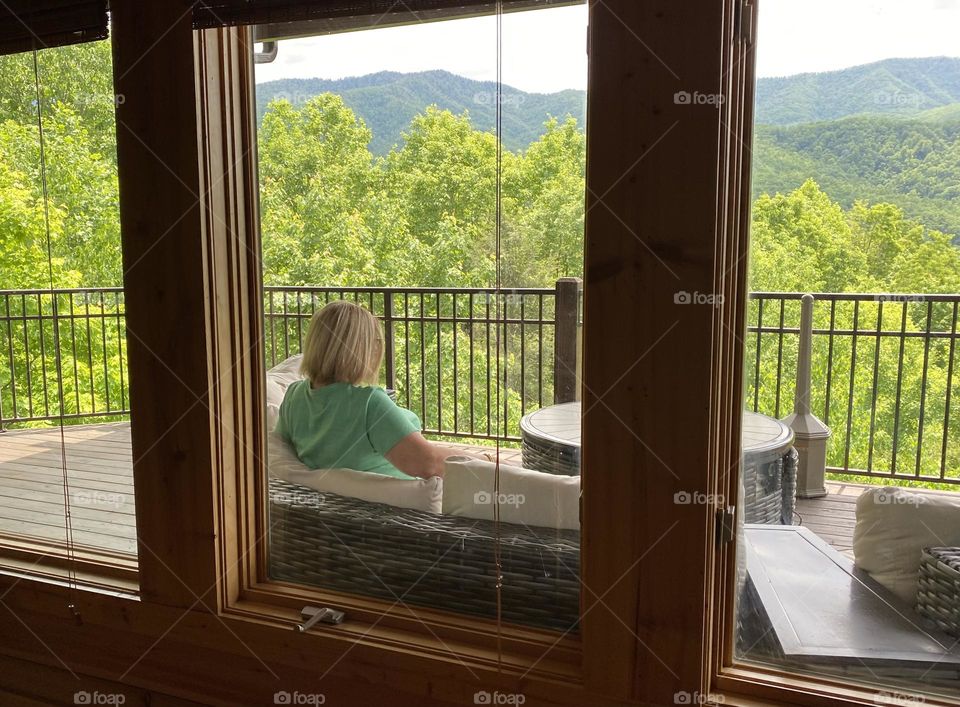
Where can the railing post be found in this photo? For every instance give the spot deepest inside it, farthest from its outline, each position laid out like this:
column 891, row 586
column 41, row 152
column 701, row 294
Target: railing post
column 810, row 434
column 389, row 373
column 566, row 361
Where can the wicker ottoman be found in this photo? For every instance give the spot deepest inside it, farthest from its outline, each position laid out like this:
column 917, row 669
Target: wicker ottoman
column 938, row 592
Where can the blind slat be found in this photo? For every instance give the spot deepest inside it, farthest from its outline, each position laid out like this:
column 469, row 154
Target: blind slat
column 39, row 24
column 343, row 15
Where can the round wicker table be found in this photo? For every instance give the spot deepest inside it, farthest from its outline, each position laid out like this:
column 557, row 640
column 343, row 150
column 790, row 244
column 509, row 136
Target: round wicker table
column 551, row 439
column 551, row 443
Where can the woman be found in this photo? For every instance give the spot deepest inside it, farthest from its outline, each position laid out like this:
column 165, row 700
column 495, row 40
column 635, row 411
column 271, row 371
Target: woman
column 338, row 417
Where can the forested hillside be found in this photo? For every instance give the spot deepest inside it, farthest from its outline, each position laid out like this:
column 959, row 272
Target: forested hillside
column 882, row 132
column 913, row 163
column 337, row 211
column 391, row 180
column 388, row 101
column 902, row 87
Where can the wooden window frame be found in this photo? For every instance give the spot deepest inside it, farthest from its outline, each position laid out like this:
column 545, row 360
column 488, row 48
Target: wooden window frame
column 742, row 682
column 665, row 212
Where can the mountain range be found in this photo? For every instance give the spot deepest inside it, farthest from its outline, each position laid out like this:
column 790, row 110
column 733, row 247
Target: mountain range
column 886, row 131
column 388, row 101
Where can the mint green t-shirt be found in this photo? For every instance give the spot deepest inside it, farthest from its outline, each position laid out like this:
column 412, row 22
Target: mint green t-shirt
column 344, row 426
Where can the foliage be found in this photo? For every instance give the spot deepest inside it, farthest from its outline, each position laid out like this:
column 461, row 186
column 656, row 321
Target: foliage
column 911, row 163
column 391, row 180
column 388, row 102
column 901, row 87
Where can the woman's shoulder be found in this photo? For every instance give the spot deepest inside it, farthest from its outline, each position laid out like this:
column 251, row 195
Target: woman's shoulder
column 374, row 394
column 366, row 393
column 296, row 387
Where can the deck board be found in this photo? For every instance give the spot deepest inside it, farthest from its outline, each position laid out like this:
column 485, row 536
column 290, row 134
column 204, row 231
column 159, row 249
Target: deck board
column 99, row 484
column 834, row 516
column 100, row 476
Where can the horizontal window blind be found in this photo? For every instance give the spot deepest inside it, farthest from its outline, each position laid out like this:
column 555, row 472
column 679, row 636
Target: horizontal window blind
column 38, row 24
column 344, row 15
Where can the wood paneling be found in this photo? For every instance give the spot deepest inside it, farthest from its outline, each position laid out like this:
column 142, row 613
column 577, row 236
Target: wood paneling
column 167, row 300
column 651, row 233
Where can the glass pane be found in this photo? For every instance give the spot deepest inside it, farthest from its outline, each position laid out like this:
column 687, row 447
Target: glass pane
column 64, row 399
column 849, row 503
column 374, row 187
column 539, row 253
column 379, row 170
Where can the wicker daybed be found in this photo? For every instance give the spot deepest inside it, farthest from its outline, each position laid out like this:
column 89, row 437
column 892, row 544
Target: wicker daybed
column 424, row 559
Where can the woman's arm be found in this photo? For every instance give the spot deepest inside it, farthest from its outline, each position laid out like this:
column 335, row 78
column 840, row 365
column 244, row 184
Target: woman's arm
column 415, row 456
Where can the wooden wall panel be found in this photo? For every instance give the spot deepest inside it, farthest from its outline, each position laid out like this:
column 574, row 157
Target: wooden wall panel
column 164, row 262
column 650, row 235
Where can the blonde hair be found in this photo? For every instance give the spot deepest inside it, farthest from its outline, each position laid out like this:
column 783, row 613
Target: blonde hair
column 344, row 345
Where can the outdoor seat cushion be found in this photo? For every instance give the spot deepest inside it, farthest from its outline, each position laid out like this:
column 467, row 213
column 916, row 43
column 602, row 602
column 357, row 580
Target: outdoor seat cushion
column 417, row 494
column 526, row 497
column 894, row 525
column 278, row 378
column 283, row 463
column 287, row 371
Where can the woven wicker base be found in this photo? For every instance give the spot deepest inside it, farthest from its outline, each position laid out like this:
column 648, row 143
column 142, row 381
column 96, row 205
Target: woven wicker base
column 424, row 559
column 789, row 486
column 938, row 593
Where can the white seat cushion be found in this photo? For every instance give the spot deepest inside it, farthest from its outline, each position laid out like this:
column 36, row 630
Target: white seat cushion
column 526, row 497
column 894, row 525
column 418, row 494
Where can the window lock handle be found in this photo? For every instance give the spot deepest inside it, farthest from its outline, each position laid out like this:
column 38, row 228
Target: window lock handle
column 312, row 615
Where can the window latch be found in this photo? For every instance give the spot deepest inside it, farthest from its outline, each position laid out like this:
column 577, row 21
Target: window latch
column 726, row 525
column 312, row 615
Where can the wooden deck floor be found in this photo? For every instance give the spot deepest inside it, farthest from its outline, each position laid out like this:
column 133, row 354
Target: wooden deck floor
column 99, row 466
column 833, row 516
column 100, row 477
column 99, row 485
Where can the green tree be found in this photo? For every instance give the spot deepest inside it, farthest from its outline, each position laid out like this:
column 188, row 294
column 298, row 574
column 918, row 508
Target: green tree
column 316, row 176
column 545, row 208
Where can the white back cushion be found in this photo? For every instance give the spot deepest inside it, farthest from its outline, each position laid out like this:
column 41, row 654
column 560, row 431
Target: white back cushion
column 526, row 497
column 278, row 378
column 274, row 398
column 287, row 372
column 418, row 494
column 894, row 525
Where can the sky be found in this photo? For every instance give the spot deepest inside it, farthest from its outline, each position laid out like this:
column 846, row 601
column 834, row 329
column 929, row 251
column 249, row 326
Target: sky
column 545, row 51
